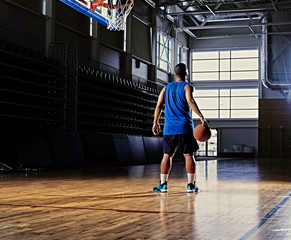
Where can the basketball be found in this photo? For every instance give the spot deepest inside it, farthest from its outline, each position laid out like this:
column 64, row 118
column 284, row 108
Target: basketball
column 202, row 133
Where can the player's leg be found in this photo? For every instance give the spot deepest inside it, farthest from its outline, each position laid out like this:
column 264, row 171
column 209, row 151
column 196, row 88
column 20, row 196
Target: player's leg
column 169, row 148
column 189, row 146
column 166, row 165
column 190, row 168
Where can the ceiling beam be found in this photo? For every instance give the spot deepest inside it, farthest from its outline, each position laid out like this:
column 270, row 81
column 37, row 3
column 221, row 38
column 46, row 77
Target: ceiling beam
column 242, row 35
column 231, row 10
column 236, row 25
column 274, row 6
column 201, row 3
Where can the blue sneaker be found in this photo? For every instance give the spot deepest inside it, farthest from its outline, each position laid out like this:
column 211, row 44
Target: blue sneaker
column 192, row 188
column 161, row 188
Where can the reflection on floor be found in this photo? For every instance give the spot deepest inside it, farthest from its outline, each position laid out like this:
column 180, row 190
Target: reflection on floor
column 239, row 199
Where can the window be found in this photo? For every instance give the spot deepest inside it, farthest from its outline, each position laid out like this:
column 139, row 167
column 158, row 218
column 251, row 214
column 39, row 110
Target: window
column 181, row 54
column 91, row 27
column 165, row 46
column 224, row 97
column 44, row 7
column 225, row 65
column 124, row 38
column 184, row 56
column 227, row 103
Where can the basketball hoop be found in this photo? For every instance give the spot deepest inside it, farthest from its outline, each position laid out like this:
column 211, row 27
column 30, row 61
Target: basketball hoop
column 117, row 12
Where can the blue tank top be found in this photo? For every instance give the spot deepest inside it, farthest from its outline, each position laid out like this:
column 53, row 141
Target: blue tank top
column 178, row 118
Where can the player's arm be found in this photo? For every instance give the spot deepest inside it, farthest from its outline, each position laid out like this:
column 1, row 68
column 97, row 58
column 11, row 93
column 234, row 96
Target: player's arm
column 156, row 127
column 192, row 103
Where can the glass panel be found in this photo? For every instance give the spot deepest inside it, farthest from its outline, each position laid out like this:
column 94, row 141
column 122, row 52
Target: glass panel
column 212, row 144
column 244, row 53
column 207, row 93
column 205, row 76
column 202, row 149
column 163, row 65
column 163, row 39
column 207, row 103
column 170, row 44
column 184, row 56
column 224, row 92
column 253, row 75
column 224, row 65
column 224, row 113
column 244, row 64
column 244, row 113
column 244, row 92
column 164, row 54
column 224, row 103
column 225, row 54
column 210, row 113
column 244, row 102
column 205, row 55
column 225, row 76
column 205, row 65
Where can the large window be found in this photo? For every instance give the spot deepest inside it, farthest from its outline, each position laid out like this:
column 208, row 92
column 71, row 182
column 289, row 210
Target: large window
column 220, row 81
column 225, row 65
column 165, row 46
column 227, row 103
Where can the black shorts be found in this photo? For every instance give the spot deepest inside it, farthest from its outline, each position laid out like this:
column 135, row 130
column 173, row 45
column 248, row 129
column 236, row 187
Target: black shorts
column 187, row 143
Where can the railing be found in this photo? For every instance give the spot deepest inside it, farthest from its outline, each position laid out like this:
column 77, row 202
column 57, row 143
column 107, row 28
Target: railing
column 119, row 73
column 21, row 40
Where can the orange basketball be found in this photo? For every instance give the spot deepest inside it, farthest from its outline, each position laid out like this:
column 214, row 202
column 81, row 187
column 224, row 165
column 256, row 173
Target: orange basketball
column 202, row 133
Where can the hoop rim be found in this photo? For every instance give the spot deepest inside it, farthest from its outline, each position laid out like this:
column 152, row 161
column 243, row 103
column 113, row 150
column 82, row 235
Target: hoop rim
column 100, row 3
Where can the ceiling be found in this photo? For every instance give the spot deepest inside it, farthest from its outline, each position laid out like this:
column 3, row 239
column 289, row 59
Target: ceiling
column 213, row 19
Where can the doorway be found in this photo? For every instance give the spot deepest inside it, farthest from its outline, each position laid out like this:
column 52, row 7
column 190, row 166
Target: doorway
column 209, row 148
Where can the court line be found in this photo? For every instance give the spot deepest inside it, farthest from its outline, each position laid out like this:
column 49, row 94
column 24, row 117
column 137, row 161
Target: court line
column 94, row 209
column 265, row 219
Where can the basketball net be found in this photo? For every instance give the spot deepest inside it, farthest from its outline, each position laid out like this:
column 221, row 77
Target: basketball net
column 117, row 12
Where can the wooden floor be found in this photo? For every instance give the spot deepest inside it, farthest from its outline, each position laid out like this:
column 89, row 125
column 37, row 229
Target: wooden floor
column 238, row 200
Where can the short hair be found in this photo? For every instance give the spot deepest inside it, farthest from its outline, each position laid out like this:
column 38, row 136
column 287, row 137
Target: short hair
column 180, row 70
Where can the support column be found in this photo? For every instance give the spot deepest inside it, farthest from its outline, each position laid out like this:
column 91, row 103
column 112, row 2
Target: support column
column 95, row 40
column 152, row 69
column 50, row 26
column 126, row 56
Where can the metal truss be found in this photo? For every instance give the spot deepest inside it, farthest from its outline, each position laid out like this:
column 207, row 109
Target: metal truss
column 196, row 15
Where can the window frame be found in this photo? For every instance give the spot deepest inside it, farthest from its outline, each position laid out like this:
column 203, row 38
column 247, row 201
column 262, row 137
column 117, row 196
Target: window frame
column 168, row 45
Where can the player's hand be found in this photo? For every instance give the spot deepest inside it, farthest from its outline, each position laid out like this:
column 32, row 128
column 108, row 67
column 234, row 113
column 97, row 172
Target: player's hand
column 203, row 121
column 156, row 129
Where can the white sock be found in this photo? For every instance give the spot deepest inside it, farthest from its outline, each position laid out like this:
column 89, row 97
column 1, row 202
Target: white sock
column 190, row 177
column 164, row 178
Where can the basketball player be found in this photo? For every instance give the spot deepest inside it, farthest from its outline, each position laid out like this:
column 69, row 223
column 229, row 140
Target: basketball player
column 178, row 129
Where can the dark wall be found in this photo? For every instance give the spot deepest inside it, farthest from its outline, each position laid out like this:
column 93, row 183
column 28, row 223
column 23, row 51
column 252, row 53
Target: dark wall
column 109, row 57
column 23, row 22
column 72, row 18
column 40, row 148
column 83, row 42
column 143, row 11
column 274, row 128
column 112, row 38
column 35, row 5
column 141, row 40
